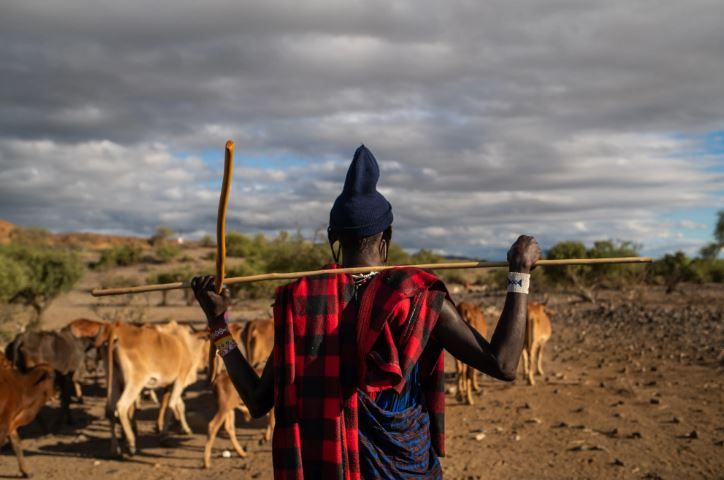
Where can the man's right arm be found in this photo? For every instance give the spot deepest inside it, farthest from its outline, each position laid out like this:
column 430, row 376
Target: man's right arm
column 499, row 357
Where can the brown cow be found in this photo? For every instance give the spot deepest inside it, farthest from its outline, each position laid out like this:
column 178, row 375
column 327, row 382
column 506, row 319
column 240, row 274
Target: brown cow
column 59, row 349
column 87, row 331
column 147, row 357
column 22, row 395
column 467, row 381
column 538, row 331
column 257, row 341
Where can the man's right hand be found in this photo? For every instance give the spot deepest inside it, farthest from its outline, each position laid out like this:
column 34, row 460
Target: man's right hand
column 523, row 254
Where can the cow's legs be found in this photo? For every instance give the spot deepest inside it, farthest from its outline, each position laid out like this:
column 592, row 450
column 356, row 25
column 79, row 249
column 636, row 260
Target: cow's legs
column 180, row 412
column 164, row 413
column 468, row 385
column 270, row 425
column 78, row 391
column 212, row 431
column 540, row 358
column 65, row 385
column 231, row 431
column 460, row 371
column 531, row 363
column 18, row 449
column 474, row 374
column 123, row 407
column 176, row 403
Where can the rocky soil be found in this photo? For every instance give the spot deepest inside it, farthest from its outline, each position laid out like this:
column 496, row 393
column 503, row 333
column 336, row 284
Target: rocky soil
column 632, row 389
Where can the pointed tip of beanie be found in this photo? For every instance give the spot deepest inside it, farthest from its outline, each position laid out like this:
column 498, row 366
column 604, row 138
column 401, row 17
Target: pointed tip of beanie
column 360, row 207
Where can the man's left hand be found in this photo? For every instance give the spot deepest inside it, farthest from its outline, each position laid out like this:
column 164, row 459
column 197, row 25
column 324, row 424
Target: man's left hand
column 213, row 304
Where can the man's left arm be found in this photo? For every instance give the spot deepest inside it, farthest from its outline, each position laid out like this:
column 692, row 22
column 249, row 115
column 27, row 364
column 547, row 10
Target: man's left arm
column 256, row 392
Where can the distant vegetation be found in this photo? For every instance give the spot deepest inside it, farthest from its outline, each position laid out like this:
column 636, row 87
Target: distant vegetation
column 34, row 276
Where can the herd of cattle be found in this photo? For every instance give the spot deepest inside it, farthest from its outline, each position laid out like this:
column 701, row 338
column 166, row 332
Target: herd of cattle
column 140, row 358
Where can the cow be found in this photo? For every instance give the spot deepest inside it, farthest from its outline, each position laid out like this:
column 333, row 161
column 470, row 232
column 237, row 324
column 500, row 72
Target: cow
column 256, row 340
column 537, row 333
column 141, row 357
column 22, row 395
column 86, row 331
column 59, row 349
column 467, row 381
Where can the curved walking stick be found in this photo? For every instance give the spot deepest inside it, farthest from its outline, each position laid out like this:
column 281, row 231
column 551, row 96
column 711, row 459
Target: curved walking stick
column 221, row 243
column 221, row 217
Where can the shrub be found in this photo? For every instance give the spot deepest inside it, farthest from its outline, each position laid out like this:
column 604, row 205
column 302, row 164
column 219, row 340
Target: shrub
column 207, row 242
column 49, row 273
column 167, row 251
column 121, row 256
column 673, row 269
column 163, row 233
column 13, row 278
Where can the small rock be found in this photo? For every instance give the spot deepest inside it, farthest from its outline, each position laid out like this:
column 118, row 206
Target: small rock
column 498, row 430
column 479, row 436
column 533, row 420
column 693, row 435
column 96, row 463
column 516, row 438
column 226, row 454
column 617, row 463
column 635, row 435
column 654, row 401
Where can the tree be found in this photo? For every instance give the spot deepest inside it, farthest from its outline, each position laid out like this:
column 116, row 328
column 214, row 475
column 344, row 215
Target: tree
column 49, row 273
column 674, row 269
column 163, row 234
column 711, row 251
column 13, row 278
column 577, row 276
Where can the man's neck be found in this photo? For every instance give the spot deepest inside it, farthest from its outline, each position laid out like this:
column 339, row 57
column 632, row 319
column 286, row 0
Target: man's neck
column 354, row 259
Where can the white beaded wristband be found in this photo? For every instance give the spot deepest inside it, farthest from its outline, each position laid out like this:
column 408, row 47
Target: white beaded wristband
column 518, row 282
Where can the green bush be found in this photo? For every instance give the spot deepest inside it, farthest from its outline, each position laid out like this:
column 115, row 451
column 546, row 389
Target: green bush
column 163, row 234
column 585, row 280
column 121, row 256
column 13, row 278
column 207, row 242
column 48, row 272
column 167, row 251
column 672, row 269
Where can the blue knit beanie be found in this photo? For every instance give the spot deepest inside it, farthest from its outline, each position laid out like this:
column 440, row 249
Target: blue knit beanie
column 360, row 209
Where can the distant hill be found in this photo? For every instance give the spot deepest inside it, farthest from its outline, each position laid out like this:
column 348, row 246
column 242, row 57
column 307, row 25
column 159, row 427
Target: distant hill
column 95, row 241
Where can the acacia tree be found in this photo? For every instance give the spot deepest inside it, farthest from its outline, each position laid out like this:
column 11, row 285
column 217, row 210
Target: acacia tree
column 46, row 273
column 711, row 251
column 587, row 280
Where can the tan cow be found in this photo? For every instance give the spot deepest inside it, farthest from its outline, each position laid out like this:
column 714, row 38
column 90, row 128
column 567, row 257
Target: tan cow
column 467, row 380
column 257, row 341
column 22, row 395
column 538, row 332
column 147, row 357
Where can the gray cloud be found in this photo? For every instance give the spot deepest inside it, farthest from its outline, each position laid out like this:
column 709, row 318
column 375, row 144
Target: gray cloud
column 565, row 119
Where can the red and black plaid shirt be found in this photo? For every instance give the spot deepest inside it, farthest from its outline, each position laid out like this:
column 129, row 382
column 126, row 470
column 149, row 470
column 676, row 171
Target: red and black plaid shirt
column 319, row 364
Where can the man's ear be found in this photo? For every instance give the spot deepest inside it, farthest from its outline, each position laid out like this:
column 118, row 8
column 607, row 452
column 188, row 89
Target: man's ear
column 387, row 235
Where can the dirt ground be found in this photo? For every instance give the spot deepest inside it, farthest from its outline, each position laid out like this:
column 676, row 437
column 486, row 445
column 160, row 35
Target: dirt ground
column 632, row 389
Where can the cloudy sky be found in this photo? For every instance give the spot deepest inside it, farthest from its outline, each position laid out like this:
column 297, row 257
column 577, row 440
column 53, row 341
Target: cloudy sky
column 563, row 119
